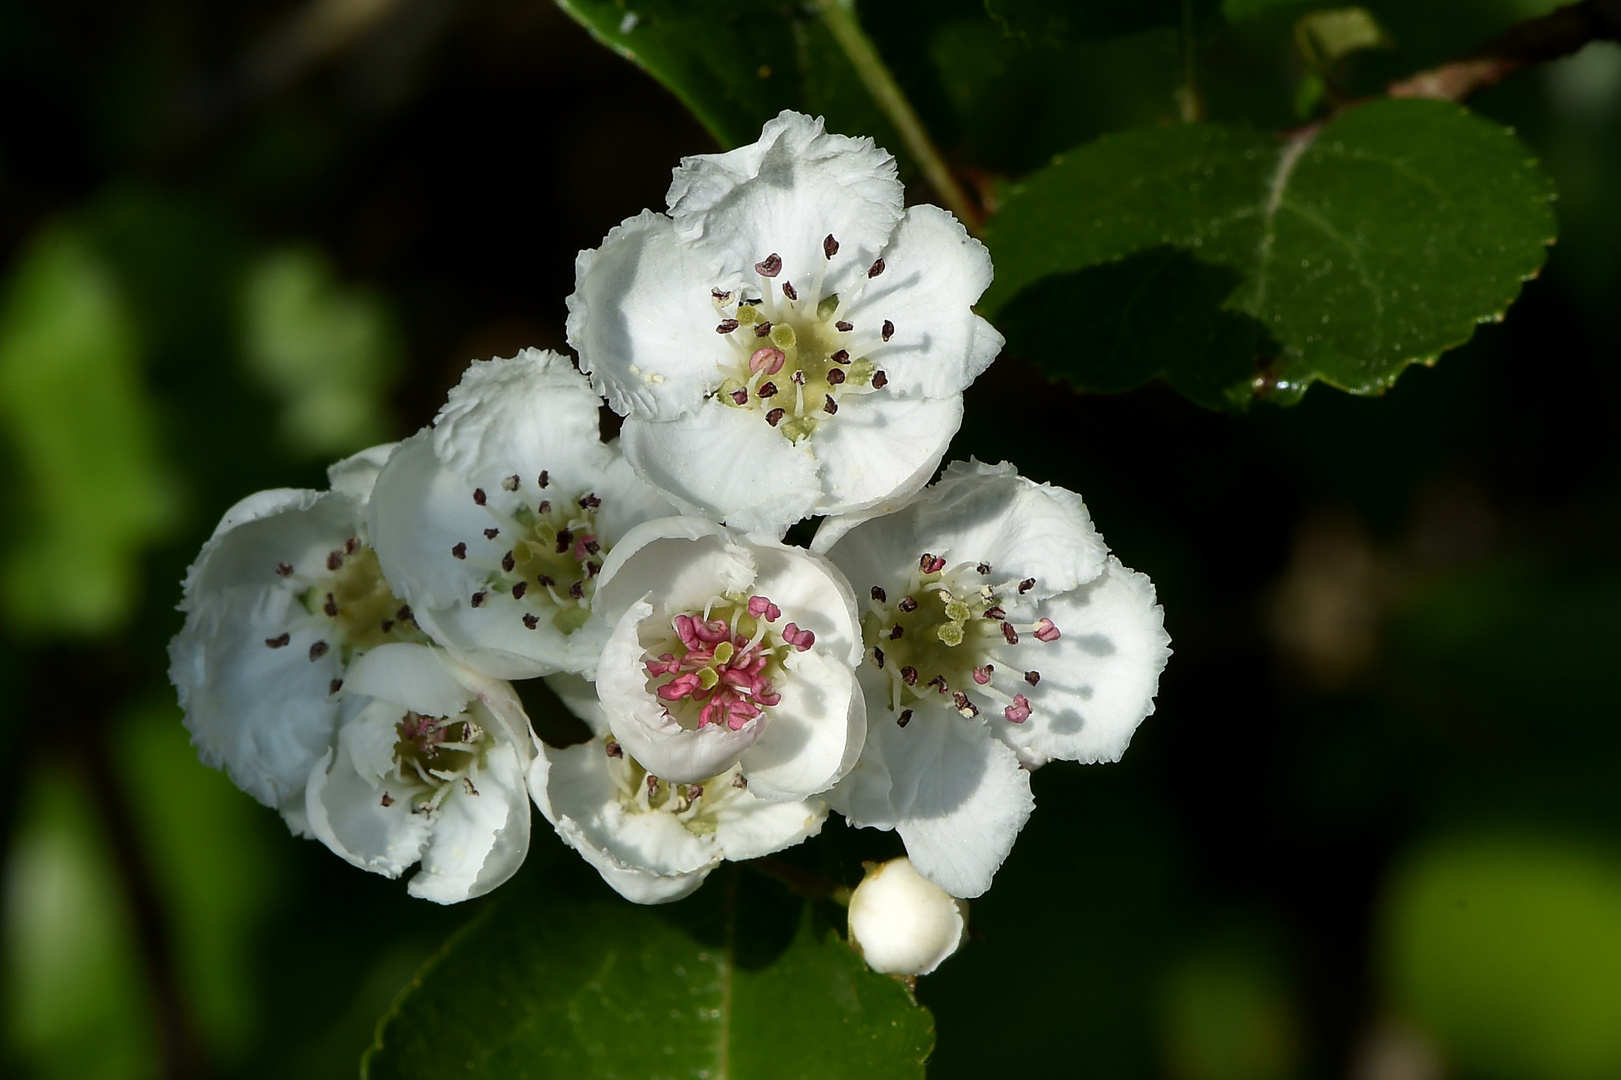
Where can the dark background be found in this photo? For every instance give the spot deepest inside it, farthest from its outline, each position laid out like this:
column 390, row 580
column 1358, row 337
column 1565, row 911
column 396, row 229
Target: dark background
column 1371, row 831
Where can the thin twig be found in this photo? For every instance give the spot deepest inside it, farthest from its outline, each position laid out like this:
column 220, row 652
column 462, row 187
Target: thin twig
column 839, row 17
column 1535, row 41
column 801, row 882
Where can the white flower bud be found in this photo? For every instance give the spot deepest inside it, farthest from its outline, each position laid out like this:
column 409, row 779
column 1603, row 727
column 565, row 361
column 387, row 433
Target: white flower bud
column 902, row 923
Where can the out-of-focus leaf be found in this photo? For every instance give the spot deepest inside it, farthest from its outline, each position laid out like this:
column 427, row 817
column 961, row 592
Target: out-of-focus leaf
column 737, row 64
column 1238, row 10
column 76, row 1006
column 1507, row 949
column 326, row 349
column 1327, row 37
column 92, row 488
column 1060, row 21
column 546, row 984
column 1227, row 1016
column 1374, row 241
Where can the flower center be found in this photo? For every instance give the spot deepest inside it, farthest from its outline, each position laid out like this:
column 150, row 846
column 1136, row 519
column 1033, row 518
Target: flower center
column 797, row 358
column 432, row 754
column 541, row 554
column 952, row 639
column 718, row 665
column 351, row 606
column 696, row 806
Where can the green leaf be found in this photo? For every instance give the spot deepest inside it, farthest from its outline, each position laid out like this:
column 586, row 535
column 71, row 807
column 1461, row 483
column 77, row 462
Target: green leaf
column 1362, row 245
column 1060, row 21
column 91, row 483
column 728, row 985
column 736, row 65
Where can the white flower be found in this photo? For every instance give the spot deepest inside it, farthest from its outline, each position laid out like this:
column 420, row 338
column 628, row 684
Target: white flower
column 902, row 923
column 788, row 341
column 432, row 769
column 655, row 840
column 282, row 598
column 494, row 523
column 727, row 652
column 1000, row 634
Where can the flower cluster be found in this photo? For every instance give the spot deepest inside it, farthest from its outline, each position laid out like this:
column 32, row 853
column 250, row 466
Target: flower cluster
column 788, row 341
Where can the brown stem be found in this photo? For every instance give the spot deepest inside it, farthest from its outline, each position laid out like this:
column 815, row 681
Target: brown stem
column 1535, row 41
column 801, row 882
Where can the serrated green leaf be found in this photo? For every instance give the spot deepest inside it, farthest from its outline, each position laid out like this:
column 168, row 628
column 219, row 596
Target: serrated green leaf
column 736, row 65
column 1374, row 241
column 730, row 985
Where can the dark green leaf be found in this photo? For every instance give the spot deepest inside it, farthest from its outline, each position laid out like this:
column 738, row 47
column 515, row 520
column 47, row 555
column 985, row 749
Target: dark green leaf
column 732, row 984
column 1374, row 241
column 737, row 64
column 1061, row 21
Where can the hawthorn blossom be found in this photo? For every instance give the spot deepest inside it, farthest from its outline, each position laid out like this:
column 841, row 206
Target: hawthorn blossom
column 282, row 599
column 495, row 522
column 431, row 768
column 654, row 840
column 999, row 634
column 902, row 923
column 790, row 314
column 726, row 652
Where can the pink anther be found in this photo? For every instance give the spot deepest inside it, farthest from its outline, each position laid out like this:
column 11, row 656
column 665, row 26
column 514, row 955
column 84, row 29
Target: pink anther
column 1019, row 711
column 799, row 639
column 762, row 606
column 1046, row 631
column 767, row 359
column 931, row 564
column 679, row 687
column 982, row 675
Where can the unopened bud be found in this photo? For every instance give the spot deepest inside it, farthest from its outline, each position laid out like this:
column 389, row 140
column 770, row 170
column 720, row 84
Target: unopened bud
column 902, row 923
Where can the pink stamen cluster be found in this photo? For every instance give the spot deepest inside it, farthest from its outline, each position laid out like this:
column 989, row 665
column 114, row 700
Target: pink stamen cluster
column 426, row 731
column 740, row 689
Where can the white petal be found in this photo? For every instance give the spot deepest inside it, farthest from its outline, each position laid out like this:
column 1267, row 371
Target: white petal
column 1099, row 678
column 933, row 272
column 681, row 562
column 802, row 749
column 642, row 320
column 747, row 827
column 346, row 813
column 958, row 798
column 268, row 528
column 412, row 676
column 976, row 513
column 263, row 714
column 648, row 858
column 727, row 463
column 478, row 841
column 641, row 724
column 811, row 592
column 355, row 474
column 882, row 448
column 785, row 192
column 520, row 415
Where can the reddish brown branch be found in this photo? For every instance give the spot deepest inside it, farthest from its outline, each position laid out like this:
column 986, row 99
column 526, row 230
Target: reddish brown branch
column 1535, row 41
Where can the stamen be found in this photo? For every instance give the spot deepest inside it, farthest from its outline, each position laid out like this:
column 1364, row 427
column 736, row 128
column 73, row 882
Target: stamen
column 460, row 551
column 318, row 650
column 1045, row 630
column 983, row 568
column 478, row 599
column 330, row 607
column 479, row 497
column 774, row 417
column 545, row 478
column 905, row 717
column 931, row 564
column 964, row 706
column 508, row 562
column 909, row 675
column 1026, row 585
column 767, row 358
column 879, row 380
column 590, row 501
column 519, row 589
column 770, row 266
column 841, row 357
column 577, row 591
column 878, row 657
column 511, row 483
column 741, row 396
column 388, row 800
column 284, row 569
column 1032, row 677
column 279, row 641
column 1019, row 711
column 896, row 632
column 982, row 675
column 334, row 686
column 766, row 390
column 615, row 750
column 829, row 406
column 875, row 269
column 888, row 331
column 334, row 561
column 830, row 246
column 788, row 290
column 1011, row 634
column 530, row 622
column 763, row 330
column 799, row 639
column 843, row 327
column 878, row 594
column 908, row 605
column 491, row 534
column 726, row 326
column 996, row 612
